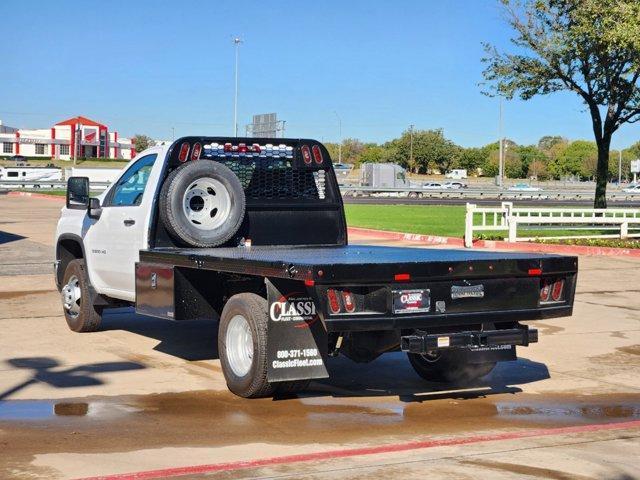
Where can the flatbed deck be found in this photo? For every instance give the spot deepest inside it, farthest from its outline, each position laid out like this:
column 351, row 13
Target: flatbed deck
column 359, row 263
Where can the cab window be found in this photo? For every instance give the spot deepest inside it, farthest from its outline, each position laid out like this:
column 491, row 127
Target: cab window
column 130, row 187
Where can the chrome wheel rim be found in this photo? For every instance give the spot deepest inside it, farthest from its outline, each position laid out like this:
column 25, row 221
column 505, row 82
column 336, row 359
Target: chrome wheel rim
column 239, row 346
column 72, row 296
column 206, row 203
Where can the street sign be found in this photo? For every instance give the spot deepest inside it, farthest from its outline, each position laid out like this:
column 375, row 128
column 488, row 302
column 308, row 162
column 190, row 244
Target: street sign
column 635, row 166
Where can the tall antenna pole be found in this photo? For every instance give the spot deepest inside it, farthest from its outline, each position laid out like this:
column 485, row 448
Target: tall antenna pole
column 500, row 151
column 340, row 135
column 411, row 146
column 236, row 41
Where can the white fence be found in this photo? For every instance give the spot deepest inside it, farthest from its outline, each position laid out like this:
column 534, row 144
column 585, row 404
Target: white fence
column 506, row 217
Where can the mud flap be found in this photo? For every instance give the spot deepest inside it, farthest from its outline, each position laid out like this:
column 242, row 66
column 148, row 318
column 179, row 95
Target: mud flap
column 297, row 339
column 493, row 353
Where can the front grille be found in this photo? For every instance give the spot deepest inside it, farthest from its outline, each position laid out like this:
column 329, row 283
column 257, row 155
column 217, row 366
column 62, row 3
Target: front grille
column 273, row 178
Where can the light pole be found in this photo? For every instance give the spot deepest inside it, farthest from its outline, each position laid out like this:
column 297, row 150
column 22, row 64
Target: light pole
column 500, row 150
column 339, row 137
column 411, row 145
column 236, row 41
column 619, row 167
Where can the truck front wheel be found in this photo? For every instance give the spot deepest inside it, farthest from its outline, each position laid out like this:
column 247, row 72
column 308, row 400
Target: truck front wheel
column 78, row 299
column 448, row 366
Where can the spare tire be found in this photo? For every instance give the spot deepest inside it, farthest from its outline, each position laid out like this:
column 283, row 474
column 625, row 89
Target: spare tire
column 202, row 203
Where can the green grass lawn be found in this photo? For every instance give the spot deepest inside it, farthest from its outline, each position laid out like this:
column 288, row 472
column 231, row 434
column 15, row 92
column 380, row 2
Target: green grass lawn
column 444, row 220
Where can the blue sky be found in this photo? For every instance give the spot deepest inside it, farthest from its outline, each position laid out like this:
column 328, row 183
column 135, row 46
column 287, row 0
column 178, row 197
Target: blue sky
column 148, row 66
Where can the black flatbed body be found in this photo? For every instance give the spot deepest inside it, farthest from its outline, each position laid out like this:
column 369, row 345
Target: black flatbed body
column 360, row 263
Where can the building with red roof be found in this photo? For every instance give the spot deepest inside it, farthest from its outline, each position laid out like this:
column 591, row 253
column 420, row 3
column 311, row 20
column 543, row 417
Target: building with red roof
column 77, row 137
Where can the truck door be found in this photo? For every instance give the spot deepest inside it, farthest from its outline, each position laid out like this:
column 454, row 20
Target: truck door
column 113, row 242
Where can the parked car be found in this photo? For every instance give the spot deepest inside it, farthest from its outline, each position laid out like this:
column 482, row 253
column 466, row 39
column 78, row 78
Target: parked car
column 633, row 189
column 432, row 186
column 454, row 185
column 524, row 187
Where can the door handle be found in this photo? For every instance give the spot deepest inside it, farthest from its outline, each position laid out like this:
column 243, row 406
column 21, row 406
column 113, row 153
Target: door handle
column 129, row 221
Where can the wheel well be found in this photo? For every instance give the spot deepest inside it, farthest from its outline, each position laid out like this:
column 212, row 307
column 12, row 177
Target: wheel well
column 68, row 249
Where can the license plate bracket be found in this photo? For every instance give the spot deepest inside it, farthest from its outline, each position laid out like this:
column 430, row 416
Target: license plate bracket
column 417, row 300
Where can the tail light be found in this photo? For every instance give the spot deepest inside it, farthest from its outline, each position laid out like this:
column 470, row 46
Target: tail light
column 545, row 290
column 334, row 301
column 552, row 290
column 184, row 152
column 255, row 148
column 242, row 148
column 306, row 154
column 228, row 147
column 317, row 154
column 195, row 153
column 349, row 301
column 557, row 290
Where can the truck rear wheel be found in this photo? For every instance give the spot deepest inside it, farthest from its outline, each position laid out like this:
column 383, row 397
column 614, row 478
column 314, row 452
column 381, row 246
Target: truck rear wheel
column 78, row 299
column 448, row 366
column 202, row 203
column 242, row 346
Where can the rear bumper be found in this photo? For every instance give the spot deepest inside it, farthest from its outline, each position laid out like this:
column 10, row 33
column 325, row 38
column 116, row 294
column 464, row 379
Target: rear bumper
column 423, row 343
column 426, row 321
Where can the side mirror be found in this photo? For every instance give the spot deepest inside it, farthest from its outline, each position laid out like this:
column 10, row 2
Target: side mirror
column 95, row 210
column 78, row 193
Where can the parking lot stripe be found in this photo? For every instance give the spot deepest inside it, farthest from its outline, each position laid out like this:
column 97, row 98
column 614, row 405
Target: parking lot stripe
column 362, row 451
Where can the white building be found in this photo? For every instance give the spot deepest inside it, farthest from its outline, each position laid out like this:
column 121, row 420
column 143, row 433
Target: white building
column 77, row 137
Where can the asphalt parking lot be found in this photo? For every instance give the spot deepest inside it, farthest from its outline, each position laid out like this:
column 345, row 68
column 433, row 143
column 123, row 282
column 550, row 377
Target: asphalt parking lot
column 147, row 395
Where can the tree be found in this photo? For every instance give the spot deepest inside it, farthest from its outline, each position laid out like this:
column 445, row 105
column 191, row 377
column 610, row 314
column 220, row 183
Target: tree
column 547, row 142
column 472, row 158
column 578, row 159
column 372, row 153
column 589, row 47
column 142, row 142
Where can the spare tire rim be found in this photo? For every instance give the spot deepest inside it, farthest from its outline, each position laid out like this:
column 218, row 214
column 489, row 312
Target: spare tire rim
column 71, row 296
column 239, row 346
column 206, row 203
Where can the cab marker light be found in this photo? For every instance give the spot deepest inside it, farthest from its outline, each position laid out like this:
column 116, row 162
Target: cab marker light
column 184, row 152
column 402, row 277
column 306, row 154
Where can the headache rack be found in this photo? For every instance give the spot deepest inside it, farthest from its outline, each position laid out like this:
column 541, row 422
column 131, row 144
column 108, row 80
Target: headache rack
column 290, row 187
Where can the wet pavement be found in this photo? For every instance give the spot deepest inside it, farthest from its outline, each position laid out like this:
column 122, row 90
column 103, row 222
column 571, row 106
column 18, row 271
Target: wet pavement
column 145, row 394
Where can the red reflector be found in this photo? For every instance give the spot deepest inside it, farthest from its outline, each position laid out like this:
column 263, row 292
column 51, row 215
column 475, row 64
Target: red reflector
column 317, row 154
column 402, row 277
column 184, row 152
column 349, row 303
column 545, row 291
column 195, row 153
column 309, row 283
column 535, row 271
column 228, row 147
column 334, row 302
column 306, row 154
column 556, row 291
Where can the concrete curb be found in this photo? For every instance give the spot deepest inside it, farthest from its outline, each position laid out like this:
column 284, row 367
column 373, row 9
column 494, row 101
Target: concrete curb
column 57, row 198
column 496, row 244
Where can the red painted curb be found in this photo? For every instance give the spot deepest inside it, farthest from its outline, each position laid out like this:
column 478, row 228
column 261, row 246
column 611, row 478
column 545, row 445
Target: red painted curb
column 413, row 237
column 356, row 452
column 57, row 198
column 496, row 244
